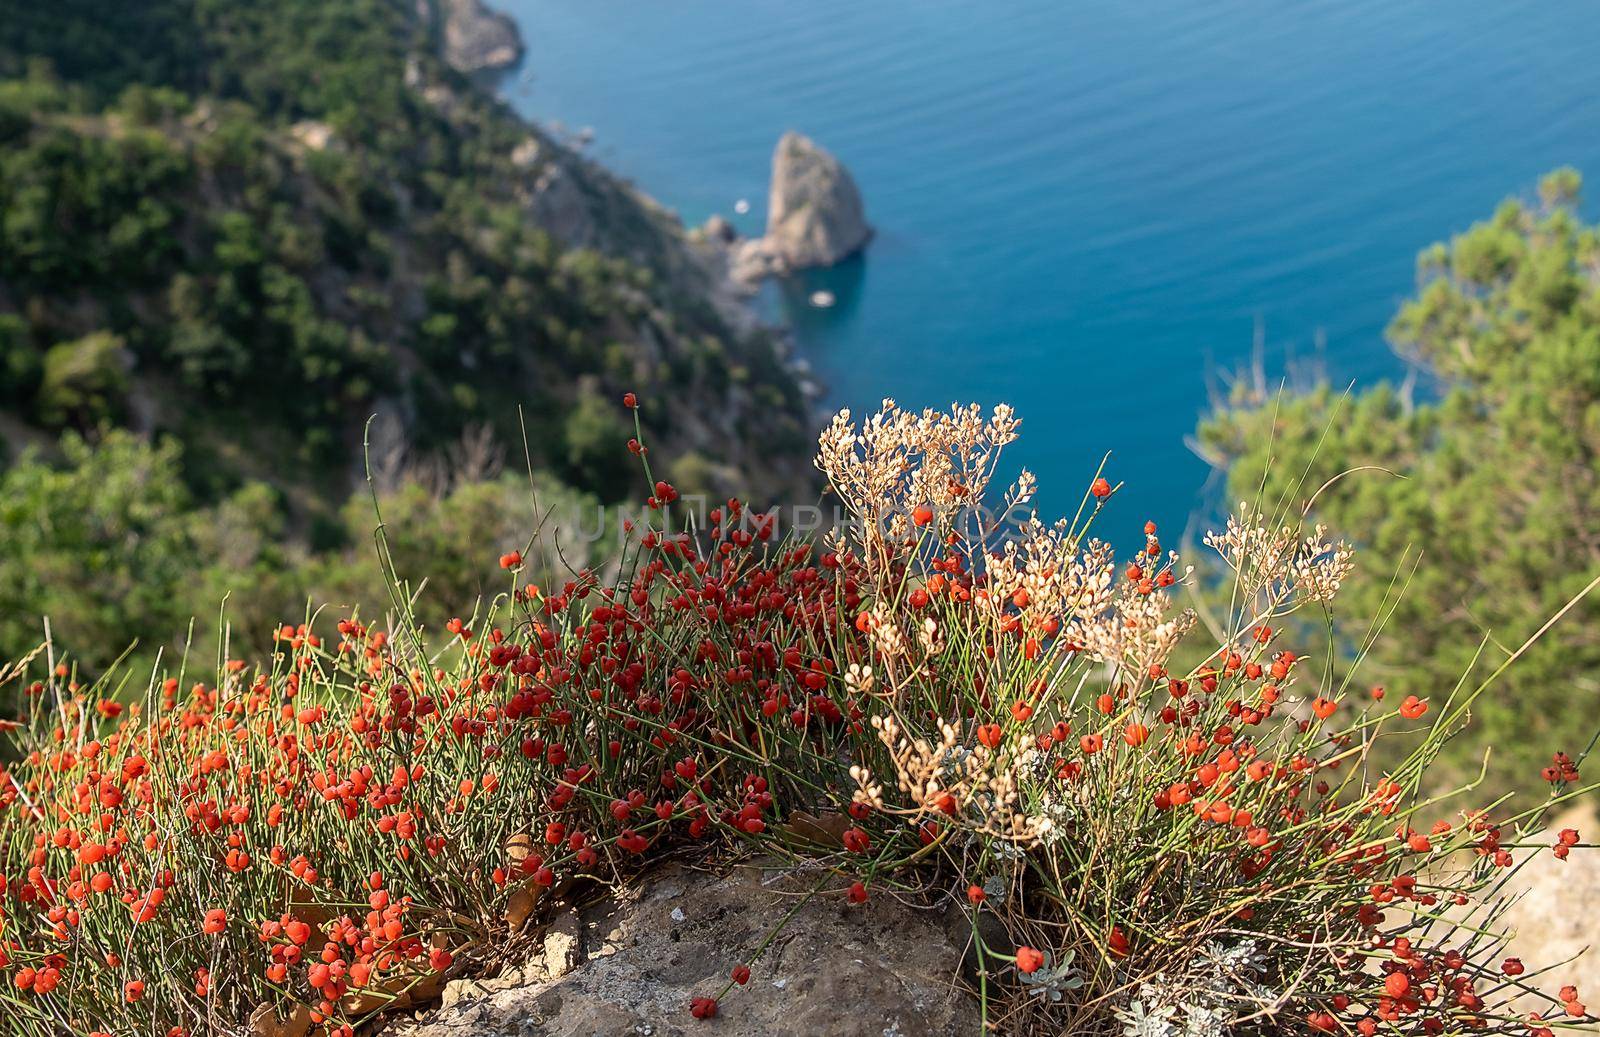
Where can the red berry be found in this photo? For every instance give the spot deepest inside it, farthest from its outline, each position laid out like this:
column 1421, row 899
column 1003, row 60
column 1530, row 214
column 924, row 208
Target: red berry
column 1029, row 960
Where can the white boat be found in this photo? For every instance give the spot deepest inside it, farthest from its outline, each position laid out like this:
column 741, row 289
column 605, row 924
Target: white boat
column 822, row 299
column 742, row 206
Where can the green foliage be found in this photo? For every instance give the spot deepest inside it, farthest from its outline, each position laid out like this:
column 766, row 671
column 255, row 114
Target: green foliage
column 80, row 210
column 21, row 362
column 148, row 106
column 266, row 276
column 83, row 381
column 1496, row 482
column 103, row 546
column 592, row 458
column 110, row 544
column 240, row 229
column 694, row 474
column 458, row 535
column 303, row 58
column 103, row 45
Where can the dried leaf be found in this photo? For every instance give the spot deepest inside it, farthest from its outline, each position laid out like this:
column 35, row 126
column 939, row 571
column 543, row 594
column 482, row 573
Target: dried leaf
column 303, row 906
column 520, row 906
column 826, row 830
column 357, row 1005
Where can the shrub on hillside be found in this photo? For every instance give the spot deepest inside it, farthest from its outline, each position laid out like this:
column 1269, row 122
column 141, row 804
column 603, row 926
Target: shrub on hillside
column 922, row 704
column 110, row 545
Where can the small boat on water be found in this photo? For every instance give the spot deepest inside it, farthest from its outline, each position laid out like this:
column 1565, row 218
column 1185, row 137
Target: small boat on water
column 822, row 299
column 742, row 206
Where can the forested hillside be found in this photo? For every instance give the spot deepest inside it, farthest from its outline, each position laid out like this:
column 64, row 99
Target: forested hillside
column 238, row 230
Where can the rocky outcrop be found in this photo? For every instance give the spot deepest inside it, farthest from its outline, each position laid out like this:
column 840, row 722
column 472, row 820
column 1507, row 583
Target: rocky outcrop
column 476, row 39
column 815, row 218
column 1551, row 908
column 632, row 964
column 752, row 260
column 814, row 211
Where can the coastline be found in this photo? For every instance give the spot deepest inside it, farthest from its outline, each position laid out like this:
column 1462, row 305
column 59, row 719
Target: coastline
column 730, row 291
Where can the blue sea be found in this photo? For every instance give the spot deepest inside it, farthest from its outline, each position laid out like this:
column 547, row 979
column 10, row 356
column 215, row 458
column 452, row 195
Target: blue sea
column 1089, row 210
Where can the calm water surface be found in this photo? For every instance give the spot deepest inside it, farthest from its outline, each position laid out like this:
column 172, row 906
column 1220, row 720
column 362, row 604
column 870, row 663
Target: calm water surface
column 1087, row 210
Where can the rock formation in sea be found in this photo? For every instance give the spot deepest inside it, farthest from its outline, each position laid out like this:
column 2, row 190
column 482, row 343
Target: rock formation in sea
column 814, row 211
column 815, row 217
column 476, row 39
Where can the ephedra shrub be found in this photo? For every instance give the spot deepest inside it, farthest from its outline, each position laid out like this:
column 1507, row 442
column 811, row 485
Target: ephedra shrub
column 921, row 703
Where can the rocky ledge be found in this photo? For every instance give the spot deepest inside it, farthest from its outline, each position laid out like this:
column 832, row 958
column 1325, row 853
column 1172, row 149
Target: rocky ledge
column 815, row 217
column 632, row 963
column 476, row 39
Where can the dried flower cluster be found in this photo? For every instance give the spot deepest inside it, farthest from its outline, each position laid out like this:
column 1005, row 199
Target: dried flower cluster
column 976, row 787
column 1279, row 565
column 943, row 461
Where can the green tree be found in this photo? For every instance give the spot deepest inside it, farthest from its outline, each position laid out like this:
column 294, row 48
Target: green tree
column 1496, row 478
column 102, row 545
column 594, row 435
column 449, row 543
column 110, row 545
column 83, row 381
column 172, row 234
column 21, row 363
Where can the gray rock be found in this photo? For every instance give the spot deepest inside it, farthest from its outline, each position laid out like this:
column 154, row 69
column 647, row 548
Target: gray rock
column 718, row 229
column 563, row 944
column 814, row 211
column 880, row 968
column 751, row 260
column 526, row 154
column 477, row 39
column 313, row 135
column 560, row 205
